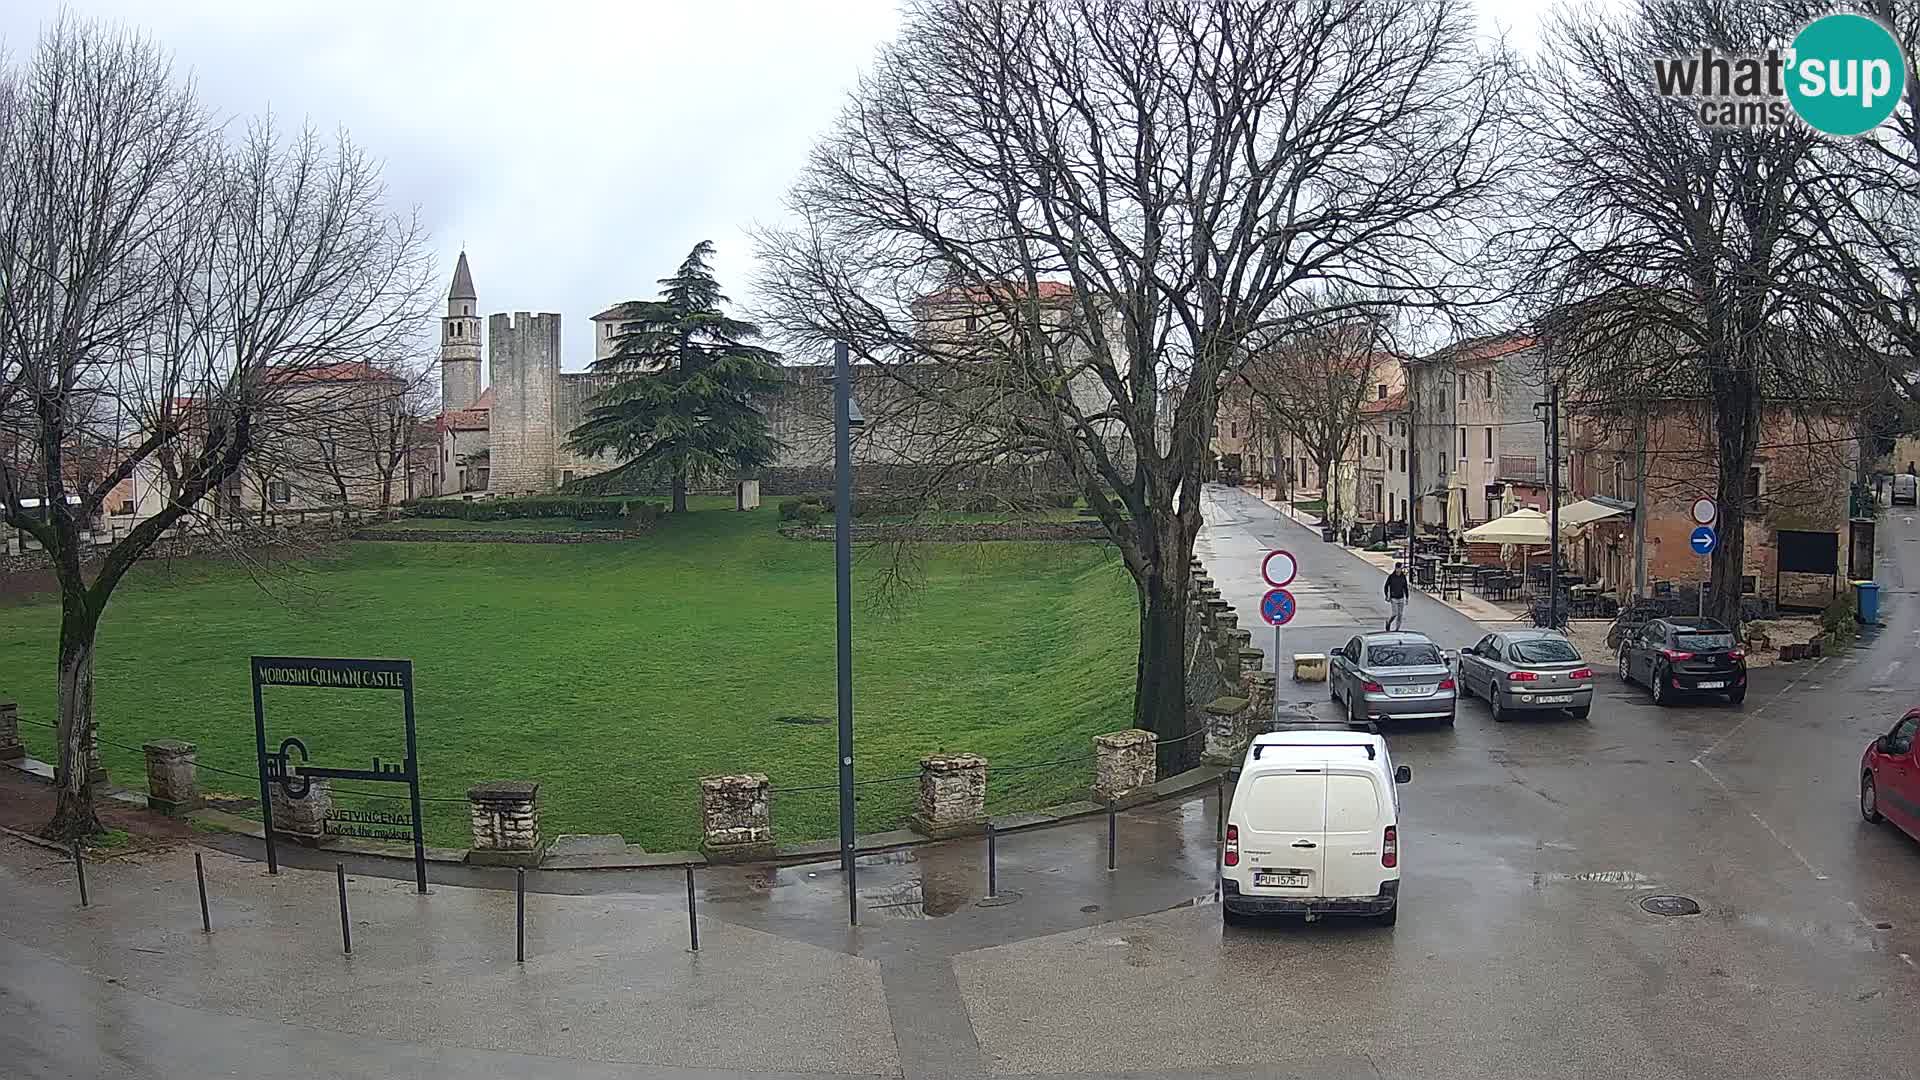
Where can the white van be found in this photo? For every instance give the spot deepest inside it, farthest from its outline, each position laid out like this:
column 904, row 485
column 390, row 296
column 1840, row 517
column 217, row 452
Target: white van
column 1313, row 828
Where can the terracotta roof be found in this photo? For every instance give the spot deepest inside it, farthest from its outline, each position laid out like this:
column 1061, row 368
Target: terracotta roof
column 346, row 371
column 465, row 420
column 1047, row 291
column 1491, row 347
column 1396, row 403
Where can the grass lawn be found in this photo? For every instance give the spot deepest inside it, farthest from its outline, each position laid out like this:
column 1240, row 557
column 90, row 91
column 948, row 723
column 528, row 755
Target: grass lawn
column 548, row 525
column 616, row 674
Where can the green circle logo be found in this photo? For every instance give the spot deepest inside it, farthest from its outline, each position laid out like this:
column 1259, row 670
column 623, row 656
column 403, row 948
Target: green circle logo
column 1848, row 74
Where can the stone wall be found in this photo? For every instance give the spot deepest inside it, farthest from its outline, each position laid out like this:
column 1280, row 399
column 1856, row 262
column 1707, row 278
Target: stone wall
column 572, row 390
column 953, row 795
column 506, row 823
column 524, row 356
column 1074, row 531
column 736, row 817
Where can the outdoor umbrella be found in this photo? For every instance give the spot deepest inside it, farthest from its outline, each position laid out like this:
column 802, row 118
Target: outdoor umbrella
column 1519, row 527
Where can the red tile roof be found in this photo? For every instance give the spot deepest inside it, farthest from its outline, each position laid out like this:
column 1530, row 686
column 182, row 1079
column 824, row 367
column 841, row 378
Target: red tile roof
column 345, row 371
column 1047, row 291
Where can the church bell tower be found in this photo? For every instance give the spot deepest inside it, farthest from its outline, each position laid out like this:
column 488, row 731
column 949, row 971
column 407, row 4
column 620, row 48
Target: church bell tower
column 460, row 343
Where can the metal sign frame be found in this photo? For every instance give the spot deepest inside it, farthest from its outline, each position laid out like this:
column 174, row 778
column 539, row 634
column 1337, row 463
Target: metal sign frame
column 334, row 673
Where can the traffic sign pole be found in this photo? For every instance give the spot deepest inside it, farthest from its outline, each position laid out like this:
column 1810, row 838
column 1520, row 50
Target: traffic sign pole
column 1276, row 673
column 1277, row 607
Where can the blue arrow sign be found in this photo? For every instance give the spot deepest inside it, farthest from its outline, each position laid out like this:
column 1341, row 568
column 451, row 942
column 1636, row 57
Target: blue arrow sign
column 1703, row 540
column 1277, row 607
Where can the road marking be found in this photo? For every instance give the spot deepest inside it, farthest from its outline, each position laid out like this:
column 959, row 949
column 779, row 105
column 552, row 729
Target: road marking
column 1735, row 730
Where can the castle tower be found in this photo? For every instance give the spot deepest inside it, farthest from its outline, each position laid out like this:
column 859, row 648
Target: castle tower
column 525, row 364
column 460, row 343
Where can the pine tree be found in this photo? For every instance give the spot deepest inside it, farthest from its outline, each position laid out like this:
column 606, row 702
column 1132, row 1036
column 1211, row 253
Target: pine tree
column 682, row 406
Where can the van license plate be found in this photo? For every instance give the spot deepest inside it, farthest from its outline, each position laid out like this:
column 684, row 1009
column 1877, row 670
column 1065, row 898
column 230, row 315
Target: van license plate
column 1712, row 684
column 1271, row 880
column 1410, row 691
column 1554, row 699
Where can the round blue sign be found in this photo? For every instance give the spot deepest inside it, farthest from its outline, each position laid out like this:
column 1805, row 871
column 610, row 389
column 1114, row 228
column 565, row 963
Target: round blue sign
column 1277, row 607
column 1703, row 540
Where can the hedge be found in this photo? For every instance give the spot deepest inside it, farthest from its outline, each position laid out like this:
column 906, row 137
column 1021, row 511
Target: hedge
column 636, row 513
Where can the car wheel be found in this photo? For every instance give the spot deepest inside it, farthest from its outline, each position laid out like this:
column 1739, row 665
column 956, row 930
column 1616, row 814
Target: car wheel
column 1582, row 712
column 1737, row 696
column 1333, row 688
column 1622, row 661
column 1493, row 706
column 1869, row 800
column 1231, row 917
column 1389, row 916
column 1659, row 686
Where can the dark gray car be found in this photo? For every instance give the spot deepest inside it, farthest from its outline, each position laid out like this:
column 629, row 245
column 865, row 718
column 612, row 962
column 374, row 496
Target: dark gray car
column 1527, row 671
column 1393, row 675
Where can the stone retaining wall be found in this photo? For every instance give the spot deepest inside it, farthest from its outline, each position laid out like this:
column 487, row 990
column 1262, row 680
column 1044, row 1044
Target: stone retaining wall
column 498, row 536
column 965, row 532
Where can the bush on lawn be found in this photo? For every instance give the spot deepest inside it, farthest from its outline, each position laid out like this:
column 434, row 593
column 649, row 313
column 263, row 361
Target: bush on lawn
column 1837, row 621
column 634, row 513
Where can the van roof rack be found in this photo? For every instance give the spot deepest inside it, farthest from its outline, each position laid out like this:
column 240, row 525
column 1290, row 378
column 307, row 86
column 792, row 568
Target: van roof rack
column 1367, row 746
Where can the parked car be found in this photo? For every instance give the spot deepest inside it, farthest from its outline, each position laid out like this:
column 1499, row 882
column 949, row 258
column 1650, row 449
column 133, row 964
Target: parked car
column 1906, row 489
column 1527, row 671
column 1392, row 675
column 1674, row 656
column 1890, row 777
column 1313, row 828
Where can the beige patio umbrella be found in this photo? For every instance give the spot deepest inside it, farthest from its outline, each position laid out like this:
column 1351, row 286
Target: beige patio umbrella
column 1519, row 527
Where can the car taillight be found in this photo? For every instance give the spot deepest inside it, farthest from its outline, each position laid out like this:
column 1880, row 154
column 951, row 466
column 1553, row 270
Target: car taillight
column 1446, row 684
column 1736, row 654
column 1371, row 687
column 1390, row 847
column 1676, row 654
column 1232, row 855
column 1582, row 673
column 1521, row 676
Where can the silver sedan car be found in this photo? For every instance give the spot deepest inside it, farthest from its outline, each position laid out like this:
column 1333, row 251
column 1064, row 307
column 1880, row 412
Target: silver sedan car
column 1527, row 671
column 1396, row 675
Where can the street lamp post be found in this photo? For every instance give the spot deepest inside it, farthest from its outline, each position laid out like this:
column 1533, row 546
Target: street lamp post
column 845, row 416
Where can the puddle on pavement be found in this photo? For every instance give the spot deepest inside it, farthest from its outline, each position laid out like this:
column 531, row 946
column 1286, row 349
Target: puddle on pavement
column 930, row 896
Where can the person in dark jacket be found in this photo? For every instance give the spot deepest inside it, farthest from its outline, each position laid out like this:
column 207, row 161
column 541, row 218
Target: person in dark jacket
column 1397, row 598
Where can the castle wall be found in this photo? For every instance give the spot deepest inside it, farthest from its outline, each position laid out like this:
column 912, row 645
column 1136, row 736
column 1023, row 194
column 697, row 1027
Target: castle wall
column 569, row 408
column 525, row 366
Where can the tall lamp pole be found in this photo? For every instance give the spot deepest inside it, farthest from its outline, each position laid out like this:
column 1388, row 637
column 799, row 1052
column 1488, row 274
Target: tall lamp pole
column 843, row 421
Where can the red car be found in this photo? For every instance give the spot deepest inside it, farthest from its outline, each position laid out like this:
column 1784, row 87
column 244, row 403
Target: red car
column 1890, row 777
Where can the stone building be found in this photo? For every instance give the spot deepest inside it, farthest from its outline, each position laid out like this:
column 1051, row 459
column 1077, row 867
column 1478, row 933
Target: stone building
column 1478, row 447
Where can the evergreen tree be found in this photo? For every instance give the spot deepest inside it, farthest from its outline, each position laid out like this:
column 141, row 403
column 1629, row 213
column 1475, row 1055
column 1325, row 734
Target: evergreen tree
column 682, row 407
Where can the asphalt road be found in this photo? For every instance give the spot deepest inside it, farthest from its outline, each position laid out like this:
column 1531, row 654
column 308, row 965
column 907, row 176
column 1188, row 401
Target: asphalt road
column 1523, row 951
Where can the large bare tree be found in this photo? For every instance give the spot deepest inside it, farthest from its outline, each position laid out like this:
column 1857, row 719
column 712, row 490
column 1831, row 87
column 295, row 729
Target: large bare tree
column 1312, row 386
column 1086, row 212
column 1679, row 263
column 162, row 291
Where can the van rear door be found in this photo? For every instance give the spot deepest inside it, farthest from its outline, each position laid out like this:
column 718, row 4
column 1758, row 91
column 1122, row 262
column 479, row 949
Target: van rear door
column 1282, row 818
column 1356, row 817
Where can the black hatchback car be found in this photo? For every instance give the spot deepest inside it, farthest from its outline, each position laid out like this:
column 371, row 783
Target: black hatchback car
column 1675, row 656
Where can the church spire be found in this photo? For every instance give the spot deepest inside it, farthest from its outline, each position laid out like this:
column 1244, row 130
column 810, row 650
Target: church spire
column 462, row 281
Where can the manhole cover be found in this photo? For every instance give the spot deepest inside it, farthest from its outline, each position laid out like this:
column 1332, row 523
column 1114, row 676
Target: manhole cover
column 1670, row 905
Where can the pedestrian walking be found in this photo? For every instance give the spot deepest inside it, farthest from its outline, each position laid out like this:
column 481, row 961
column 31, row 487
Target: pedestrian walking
column 1397, row 598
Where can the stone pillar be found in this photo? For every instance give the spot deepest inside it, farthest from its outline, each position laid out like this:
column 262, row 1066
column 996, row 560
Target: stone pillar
column 953, row 796
column 1259, row 699
column 736, row 818
column 173, row 778
column 747, row 495
column 506, row 823
column 11, row 748
column 1251, row 660
column 303, row 819
column 1124, row 762
column 1228, row 730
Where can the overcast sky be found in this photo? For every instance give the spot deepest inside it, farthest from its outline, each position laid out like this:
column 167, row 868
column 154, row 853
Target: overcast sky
column 576, row 149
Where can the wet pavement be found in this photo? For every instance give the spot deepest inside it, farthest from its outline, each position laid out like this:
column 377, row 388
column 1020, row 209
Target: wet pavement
column 1523, row 950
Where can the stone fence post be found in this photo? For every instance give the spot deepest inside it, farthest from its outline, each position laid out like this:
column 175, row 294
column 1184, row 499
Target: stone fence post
column 304, row 819
column 736, row 817
column 11, row 748
column 506, row 823
column 953, row 796
column 1228, row 730
column 1259, row 699
column 1124, row 762
column 173, row 775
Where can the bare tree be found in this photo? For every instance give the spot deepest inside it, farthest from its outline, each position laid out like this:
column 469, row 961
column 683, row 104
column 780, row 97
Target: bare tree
column 1681, row 263
column 161, row 296
column 1081, row 214
column 1313, row 386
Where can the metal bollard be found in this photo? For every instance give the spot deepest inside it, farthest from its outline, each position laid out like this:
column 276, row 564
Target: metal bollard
column 80, row 872
column 1112, row 830
column 346, row 931
column 1220, row 809
column 519, row 914
column 200, row 877
column 993, row 877
column 693, row 921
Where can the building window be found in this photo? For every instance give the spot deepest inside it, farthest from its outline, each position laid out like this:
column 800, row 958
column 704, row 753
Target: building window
column 1233, row 429
column 126, row 506
column 1489, row 444
column 1489, row 377
column 279, row 491
column 1463, row 442
column 1756, row 482
column 1380, row 392
column 973, row 323
column 1463, row 388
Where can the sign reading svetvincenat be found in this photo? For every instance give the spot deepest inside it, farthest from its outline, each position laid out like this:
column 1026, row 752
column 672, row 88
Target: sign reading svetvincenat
column 1843, row 74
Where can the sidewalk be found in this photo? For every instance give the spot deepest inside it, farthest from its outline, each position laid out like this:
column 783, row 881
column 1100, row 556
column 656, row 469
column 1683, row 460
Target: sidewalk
column 1473, row 607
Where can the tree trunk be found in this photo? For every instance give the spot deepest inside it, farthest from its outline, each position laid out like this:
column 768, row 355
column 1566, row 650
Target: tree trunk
column 1736, row 427
column 73, row 815
column 1160, row 677
column 679, row 491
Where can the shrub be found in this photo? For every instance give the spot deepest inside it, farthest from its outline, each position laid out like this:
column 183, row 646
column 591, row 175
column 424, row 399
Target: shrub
column 805, row 509
column 1063, row 500
column 638, row 514
column 809, row 513
column 1837, row 621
